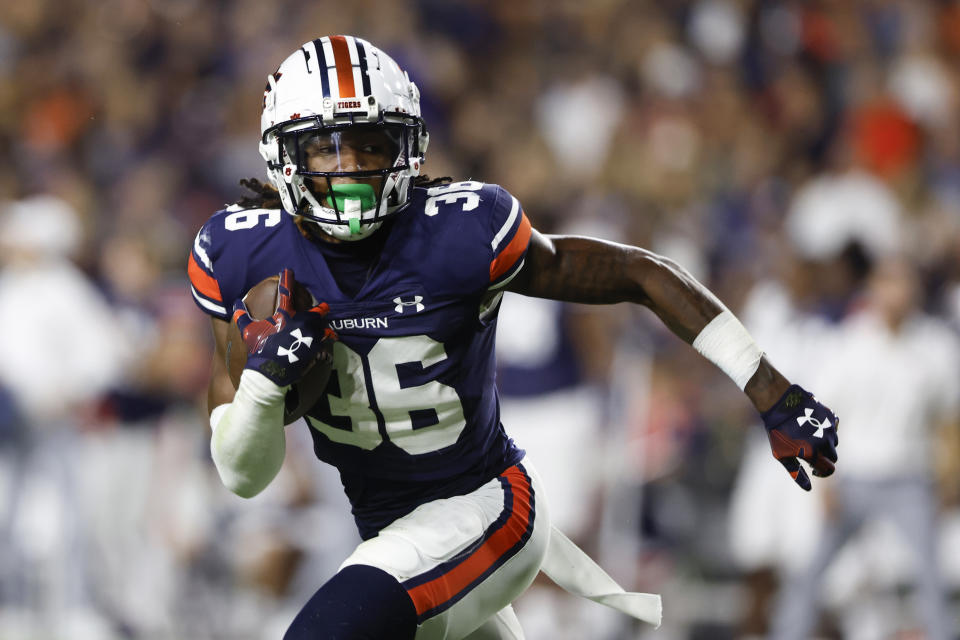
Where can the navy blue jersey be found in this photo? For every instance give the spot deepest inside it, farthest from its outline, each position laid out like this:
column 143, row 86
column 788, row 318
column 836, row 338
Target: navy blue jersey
column 410, row 413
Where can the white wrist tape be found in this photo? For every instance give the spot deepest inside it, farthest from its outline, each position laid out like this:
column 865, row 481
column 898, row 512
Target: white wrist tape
column 726, row 343
column 248, row 443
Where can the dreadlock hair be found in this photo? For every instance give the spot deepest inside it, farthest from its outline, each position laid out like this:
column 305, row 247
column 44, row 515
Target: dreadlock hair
column 265, row 196
column 426, row 181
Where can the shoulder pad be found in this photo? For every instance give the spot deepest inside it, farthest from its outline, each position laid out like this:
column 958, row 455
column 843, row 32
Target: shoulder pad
column 203, row 282
column 215, row 283
column 481, row 221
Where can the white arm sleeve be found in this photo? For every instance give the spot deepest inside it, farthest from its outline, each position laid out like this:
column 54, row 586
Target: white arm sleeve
column 248, row 442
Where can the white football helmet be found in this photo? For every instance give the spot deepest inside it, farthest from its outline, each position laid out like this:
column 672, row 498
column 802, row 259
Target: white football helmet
column 331, row 88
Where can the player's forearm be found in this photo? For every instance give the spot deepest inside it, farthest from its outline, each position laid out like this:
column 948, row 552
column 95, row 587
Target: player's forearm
column 684, row 305
column 248, row 443
column 592, row 271
column 694, row 314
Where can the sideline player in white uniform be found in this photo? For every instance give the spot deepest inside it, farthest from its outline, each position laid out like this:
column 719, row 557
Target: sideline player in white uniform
column 410, row 274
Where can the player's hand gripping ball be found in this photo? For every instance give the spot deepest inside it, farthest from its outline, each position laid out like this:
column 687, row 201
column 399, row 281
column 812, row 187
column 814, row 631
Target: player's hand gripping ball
column 278, row 331
column 800, row 427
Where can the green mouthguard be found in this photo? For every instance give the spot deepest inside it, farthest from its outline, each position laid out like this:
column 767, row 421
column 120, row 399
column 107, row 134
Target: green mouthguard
column 348, row 196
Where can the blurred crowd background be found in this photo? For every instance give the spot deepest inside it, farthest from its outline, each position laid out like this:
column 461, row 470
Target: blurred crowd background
column 800, row 158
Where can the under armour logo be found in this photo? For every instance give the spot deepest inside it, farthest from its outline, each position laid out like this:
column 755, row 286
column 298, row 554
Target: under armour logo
column 415, row 302
column 807, row 417
column 300, row 339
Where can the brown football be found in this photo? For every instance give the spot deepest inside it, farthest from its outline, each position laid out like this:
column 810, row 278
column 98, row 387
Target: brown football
column 261, row 301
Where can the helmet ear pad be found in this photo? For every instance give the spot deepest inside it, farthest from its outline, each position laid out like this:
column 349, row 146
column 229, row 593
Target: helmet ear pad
column 269, row 151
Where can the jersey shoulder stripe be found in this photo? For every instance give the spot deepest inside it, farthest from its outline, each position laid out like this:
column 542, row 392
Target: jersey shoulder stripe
column 508, row 261
column 508, row 224
column 201, row 280
column 510, row 242
column 203, row 284
column 205, row 290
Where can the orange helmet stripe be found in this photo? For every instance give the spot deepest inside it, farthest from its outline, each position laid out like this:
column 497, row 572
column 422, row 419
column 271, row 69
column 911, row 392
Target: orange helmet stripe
column 341, row 56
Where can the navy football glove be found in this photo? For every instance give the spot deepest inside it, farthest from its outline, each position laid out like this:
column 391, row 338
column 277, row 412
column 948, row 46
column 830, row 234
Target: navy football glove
column 800, row 427
column 284, row 346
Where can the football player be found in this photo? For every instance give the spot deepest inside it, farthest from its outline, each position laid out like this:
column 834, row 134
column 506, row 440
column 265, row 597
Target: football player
column 411, row 273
